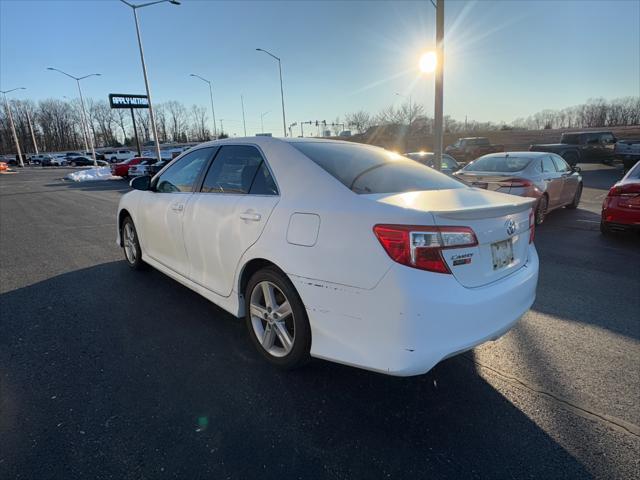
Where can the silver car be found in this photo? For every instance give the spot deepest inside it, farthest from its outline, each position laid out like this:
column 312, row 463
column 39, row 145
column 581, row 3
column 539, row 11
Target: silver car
column 449, row 164
column 540, row 175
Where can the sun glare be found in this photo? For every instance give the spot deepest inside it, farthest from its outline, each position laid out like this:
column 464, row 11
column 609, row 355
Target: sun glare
column 428, row 62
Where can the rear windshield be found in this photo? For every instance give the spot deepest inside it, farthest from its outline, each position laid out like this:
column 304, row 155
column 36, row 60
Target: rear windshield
column 365, row 169
column 498, row 164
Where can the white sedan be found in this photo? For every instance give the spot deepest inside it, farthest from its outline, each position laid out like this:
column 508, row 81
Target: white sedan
column 336, row 250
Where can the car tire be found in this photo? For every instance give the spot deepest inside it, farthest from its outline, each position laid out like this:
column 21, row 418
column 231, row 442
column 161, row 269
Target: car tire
column 576, row 198
column 281, row 334
column 131, row 245
column 571, row 158
column 73, row 164
column 541, row 209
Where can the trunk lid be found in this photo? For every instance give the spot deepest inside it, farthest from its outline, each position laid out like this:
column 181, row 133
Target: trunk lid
column 500, row 223
column 486, row 180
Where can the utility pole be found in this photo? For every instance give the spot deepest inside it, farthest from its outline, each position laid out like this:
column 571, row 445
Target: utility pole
column 438, row 104
column 13, row 128
column 33, row 136
column 244, row 124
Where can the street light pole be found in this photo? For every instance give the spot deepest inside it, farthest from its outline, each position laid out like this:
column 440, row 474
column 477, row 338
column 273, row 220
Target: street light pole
column 438, row 103
column 262, row 115
column 83, row 114
column 213, row 112
column 284, row 122
column 152, row 119
column 244, row 124
column 13, row 127
column 33, row 136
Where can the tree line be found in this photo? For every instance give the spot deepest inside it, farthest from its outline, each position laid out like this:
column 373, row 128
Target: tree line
column 57, row 124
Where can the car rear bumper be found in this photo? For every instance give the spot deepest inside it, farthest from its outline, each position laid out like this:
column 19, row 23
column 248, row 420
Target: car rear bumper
column 412, row 319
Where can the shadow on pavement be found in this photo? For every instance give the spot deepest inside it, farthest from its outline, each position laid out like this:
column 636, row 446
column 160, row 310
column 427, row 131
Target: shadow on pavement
column 113, row 373
column 97, row 185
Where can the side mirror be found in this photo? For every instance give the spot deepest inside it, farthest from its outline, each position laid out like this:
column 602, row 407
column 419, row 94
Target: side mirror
column 576, row 169
column 141, row 183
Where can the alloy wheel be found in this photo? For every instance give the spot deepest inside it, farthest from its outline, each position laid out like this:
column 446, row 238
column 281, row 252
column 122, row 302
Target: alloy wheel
column 272, row 319
column 130, row 243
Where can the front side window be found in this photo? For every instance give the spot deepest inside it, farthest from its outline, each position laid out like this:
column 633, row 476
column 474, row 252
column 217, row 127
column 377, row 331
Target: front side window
column 365, row 169
column 234, row 170
column 181, row 176
column 561, row 165
column 607, row 138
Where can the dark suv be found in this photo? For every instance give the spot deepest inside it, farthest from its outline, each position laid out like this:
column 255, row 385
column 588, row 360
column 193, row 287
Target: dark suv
column 586, row 147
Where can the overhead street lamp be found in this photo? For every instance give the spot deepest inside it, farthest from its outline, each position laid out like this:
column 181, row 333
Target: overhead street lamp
column 13, row 128
column 284, row 122
column 144, row 66
column 86, row 129
column 262, row 115
column 213, row 112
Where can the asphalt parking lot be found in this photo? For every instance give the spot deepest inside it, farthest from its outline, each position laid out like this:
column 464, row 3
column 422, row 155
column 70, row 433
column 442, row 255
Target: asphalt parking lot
column 110, row 373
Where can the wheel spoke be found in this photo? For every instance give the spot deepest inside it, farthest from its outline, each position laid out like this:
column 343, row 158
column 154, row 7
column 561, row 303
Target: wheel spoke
column 283, row 310
column 283, row 335
column 269, row 295
column 268, row 337
column 258, row 311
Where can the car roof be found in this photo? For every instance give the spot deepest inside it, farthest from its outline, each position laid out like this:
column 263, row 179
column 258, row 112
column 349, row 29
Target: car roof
column 264, row 141
column 517, row 154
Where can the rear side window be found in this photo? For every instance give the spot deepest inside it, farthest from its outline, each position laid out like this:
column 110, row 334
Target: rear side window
column 181, row 176
column 570, row 138
column 498, row 164
column 234, row 170
column 548, row 165
column 365, row 169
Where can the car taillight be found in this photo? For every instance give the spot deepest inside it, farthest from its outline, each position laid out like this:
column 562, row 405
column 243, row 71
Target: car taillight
column 515, row 183
column 628, row 190
column 421, row 247
column 532, row 225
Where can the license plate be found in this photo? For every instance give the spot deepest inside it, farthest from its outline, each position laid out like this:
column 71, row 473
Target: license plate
column 484, row 185
column 502, row 253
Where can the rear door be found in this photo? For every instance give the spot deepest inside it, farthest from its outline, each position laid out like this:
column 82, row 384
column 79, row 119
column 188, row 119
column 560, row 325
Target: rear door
column 161, row 211
column 228, row 215
column 554, row 182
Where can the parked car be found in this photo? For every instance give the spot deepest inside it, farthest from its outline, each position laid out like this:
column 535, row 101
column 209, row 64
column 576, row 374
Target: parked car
column 56, row 160
column 546, row 177
column 467, row 149
column 85, row 161
column 40, row 158
column 628, row 151
column 142, row 168
column 584, row 147
column 449, row 164
column 154, row 168
column 621, row 207
column 70, row 155
column 121, row 169
column 337, row 250
column 114, row 156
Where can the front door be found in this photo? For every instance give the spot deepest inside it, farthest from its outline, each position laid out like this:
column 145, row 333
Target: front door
column 161, row 211
column 553, row 180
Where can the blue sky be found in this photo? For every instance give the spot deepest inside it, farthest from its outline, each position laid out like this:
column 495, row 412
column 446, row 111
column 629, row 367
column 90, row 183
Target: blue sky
column 504, row 59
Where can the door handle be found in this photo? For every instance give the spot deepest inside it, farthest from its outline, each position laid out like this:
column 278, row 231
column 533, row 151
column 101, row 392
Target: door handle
column 254, row 217
column 177, row 207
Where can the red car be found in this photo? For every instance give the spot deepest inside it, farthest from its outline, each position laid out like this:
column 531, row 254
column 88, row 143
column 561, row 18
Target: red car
column 122, row 169
column 621, row 207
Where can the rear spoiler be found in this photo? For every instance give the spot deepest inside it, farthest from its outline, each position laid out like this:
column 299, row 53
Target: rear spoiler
column 484, row 212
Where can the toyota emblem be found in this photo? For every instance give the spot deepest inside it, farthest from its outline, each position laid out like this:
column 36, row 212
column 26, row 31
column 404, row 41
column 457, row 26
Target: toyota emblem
column 511, row 226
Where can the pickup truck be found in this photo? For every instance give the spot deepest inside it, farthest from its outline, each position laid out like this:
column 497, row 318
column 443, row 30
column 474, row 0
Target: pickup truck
column 467, row 149
column 585, row 147
column 628, row 151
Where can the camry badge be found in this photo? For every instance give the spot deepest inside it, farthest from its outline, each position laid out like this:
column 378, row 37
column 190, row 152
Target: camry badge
column 511, row 226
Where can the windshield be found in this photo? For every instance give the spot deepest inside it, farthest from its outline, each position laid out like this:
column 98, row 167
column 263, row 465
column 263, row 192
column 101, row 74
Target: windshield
column 491, row 163
column 365, row 169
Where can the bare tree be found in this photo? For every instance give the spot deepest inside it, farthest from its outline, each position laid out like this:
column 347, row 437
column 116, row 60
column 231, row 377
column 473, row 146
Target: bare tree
column 359, row 120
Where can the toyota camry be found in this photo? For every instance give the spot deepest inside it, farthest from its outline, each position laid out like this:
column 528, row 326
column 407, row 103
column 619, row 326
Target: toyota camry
column 336, row 250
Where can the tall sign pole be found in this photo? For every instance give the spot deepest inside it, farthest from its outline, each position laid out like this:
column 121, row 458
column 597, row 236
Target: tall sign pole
column 13, row 129
column 123, row 100
column 438, row 104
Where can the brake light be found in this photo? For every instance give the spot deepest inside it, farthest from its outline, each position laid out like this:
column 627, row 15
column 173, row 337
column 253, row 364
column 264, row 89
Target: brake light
column 421, row 247
column 532, row 225
column 630, row 190
column 515, row 183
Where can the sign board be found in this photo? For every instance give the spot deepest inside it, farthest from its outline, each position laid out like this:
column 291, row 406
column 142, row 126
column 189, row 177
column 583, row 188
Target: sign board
column 122, row 100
